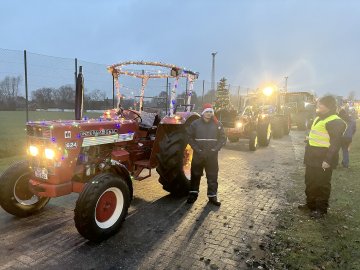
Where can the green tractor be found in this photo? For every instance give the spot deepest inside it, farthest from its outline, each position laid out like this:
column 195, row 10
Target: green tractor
column 302, row 108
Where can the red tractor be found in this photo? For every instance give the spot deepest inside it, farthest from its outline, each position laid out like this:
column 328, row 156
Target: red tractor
column 100, row 158
column 252, row 125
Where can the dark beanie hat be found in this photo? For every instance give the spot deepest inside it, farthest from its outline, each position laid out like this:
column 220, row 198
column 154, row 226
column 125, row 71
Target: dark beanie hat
column 329, row 102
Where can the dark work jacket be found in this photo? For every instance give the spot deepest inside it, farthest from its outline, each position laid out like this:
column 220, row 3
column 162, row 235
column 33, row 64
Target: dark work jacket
column 206, row 136
column 350, row 129
column 314, row 156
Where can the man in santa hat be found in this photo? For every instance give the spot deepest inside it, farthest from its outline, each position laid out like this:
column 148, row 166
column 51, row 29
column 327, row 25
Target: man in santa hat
column 206, row 137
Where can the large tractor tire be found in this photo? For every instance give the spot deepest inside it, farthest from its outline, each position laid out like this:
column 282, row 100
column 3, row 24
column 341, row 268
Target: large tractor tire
column 15, row 196
column 302, row 123
column 253, row 141
column 277, row 128
column 286, row 125
column 264, row 134
column 174, row 165
column 102, row 207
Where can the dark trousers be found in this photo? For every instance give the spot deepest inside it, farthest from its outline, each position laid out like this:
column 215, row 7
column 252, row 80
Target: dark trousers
column 210, row 164
column 345, row 151
column 318, row 187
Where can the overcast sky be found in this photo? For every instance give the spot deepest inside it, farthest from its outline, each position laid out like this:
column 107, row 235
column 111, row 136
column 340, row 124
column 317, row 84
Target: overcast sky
column 315, row 43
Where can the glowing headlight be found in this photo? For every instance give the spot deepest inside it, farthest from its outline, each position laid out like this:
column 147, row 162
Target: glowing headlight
column 49, row 153
column 268, row 91
column 239, row 125
column 33, row 150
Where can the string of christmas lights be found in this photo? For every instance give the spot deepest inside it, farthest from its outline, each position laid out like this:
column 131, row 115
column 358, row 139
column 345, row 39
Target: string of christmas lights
column 176, row 72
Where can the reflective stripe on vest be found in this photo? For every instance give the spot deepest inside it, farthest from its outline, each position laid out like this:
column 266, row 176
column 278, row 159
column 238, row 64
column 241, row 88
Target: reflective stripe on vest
column 319, row 136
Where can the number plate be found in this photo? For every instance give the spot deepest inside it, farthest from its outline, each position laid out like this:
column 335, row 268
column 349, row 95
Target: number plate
column 41, row 173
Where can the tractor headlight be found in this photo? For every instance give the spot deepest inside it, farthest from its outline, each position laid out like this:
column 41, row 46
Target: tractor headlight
column 239, row 125
column 49, row 153
column 33, row 150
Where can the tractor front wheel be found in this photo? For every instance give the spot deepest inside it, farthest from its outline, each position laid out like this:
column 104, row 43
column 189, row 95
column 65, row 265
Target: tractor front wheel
column 264, row 134
column 15, row 195
column 253, row 141
column 102, row 207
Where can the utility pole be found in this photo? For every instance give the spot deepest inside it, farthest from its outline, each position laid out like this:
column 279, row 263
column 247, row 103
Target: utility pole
column 213, row 71
column 238, row 101
column 286, row 80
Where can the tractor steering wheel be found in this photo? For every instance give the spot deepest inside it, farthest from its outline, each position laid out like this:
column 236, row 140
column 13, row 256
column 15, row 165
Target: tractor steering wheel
column 120, row 112
column 137, row 115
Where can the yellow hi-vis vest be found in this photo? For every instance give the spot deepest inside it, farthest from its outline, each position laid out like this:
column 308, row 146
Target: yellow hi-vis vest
column 319, row 136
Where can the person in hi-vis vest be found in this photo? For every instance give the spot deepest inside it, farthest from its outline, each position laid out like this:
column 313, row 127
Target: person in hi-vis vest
column 322, row 156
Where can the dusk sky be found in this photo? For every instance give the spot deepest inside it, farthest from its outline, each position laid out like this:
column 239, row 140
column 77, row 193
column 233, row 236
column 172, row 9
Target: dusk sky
column 315, row 43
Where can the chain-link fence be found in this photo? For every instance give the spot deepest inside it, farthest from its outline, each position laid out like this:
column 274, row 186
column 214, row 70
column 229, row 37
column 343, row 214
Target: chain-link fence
column 49, row 84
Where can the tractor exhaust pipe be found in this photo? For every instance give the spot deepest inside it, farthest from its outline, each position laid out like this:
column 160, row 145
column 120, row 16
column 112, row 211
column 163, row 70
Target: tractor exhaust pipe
column 79, row 95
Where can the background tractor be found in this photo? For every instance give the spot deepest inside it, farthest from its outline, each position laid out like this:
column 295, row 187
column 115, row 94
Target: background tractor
column 270, row 102
column 302, row 106
column 252, row 125
column 99, row 158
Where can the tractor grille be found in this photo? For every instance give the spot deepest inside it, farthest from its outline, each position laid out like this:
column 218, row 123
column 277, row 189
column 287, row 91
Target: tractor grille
column 38, row 131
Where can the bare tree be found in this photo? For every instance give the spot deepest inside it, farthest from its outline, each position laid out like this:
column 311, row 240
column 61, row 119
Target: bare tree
column 65, row 97
column 44, row 97
column 98, row 95
column 9, row 88
column 352, row 95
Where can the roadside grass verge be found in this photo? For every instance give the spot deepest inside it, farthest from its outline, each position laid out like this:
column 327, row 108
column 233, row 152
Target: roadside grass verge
column 12, row 126
column 329, row 243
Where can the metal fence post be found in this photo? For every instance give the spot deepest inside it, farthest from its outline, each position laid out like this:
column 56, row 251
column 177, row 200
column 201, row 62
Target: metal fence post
column 26, row 87
column 76, row 63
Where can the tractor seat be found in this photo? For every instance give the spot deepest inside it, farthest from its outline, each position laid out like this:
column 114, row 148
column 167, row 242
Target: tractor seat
column 148, row 120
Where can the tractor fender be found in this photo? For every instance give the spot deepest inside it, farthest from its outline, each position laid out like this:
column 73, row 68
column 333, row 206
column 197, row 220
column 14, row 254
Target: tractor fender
column 180, row 118
column 120, row 169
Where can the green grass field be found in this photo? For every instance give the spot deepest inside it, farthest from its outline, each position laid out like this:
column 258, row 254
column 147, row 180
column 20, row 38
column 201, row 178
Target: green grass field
column 12, row 126
column 329, row 243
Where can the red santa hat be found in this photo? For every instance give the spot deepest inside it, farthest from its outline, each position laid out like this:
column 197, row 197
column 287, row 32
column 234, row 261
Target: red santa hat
column 207, row 107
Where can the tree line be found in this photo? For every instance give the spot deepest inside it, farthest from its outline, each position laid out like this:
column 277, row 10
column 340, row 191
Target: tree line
column 64, row 98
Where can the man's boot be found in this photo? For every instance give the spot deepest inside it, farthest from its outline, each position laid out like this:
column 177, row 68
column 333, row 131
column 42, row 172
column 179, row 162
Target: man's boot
column 192, row 198
column 214, row 201
column 317, row 214
column 305, row 207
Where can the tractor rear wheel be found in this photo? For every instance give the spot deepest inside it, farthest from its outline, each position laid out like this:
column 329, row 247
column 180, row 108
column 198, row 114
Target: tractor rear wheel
column 287, row 125
column 15, row 195
column 102, row 207
column 302, row 123
column 264, row 134
column 174, row 165
column 277, row 128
